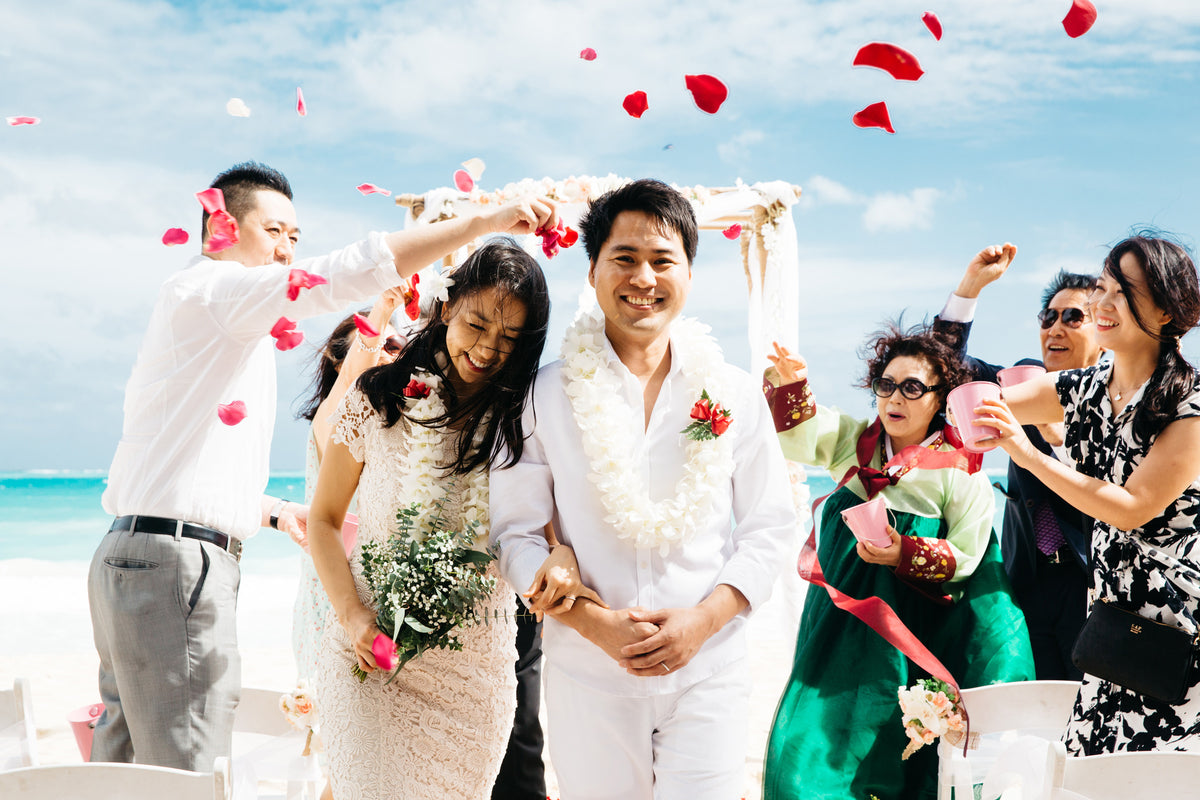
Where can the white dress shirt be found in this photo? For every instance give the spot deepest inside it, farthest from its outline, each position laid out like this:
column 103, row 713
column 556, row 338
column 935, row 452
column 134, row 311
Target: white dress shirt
column 744, row 543
column 209, row 343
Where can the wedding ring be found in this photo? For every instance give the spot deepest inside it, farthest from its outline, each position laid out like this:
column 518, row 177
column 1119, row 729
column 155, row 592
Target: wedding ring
column 570, row 597
column 664, row 666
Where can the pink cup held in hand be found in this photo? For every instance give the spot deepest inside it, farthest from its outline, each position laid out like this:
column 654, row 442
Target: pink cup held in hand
column 83, row 725
column 1014, row 375
column 962, row 403
column 868, row 522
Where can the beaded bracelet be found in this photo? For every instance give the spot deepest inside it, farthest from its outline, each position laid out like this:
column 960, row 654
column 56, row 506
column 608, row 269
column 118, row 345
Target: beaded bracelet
column 363, row 344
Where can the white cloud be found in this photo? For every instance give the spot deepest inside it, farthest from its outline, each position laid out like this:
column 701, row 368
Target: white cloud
column 736, row 150
column 821, row 191
column 901, row 212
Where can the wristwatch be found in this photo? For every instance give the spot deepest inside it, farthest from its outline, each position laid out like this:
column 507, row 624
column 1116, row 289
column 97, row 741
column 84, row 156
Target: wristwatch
column 279, row 504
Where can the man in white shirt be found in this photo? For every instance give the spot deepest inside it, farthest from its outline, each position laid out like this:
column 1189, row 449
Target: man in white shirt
column 186, row 487
column 681, row 537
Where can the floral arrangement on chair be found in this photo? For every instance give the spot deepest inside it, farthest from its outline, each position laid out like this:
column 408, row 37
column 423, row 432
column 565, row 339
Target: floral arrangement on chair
column 300, row 710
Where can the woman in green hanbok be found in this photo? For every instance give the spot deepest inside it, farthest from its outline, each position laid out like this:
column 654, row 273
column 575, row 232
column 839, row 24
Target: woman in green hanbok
column 838, row 732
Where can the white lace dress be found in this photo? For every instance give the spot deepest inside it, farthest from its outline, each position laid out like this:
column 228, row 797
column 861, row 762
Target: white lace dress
column 440, row 729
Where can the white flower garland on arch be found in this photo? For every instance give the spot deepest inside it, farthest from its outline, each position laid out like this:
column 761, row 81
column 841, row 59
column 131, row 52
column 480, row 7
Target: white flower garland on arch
column 602, row 415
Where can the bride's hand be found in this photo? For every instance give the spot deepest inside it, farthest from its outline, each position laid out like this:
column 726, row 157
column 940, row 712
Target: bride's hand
column 360, row 626
column 557, row 586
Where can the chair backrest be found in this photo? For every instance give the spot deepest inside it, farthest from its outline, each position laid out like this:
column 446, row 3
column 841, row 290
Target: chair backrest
column 1121, row 776
column 258, row 712
column 18, row 735
column 97, row 781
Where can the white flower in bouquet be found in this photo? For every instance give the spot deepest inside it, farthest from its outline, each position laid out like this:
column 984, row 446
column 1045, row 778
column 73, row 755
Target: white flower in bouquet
column 928, row 711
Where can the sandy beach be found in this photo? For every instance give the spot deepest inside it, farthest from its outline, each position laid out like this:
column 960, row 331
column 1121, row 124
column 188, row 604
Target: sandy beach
column 47, row 638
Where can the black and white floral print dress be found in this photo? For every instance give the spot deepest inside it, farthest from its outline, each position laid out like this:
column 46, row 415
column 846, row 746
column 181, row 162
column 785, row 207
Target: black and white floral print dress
column 1154, row 569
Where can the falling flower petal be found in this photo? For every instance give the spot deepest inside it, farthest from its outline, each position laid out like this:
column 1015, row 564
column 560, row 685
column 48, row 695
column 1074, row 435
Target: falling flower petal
column 895, row 61
column 635, row 104
column 474, row 167
column 282, row 326
column 384, row 650
column 1080, row 19
column 224, row 231
column 733, row 231
column 463, row 180
column 874, row 116
column 174, row 236
column 933, row 23
column 299, row 279
column 707, row 91
column 236, row 107
column 412, row 305
column 15, row 121
column 301, row 109
column 285, row 334
column 365, row 327
column 568, row 237
column 587, row 54
column 232, row 413
column 212, row 200
column 370, row 188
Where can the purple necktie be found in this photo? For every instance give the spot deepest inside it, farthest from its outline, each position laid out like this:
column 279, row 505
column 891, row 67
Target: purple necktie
column 1046, row 533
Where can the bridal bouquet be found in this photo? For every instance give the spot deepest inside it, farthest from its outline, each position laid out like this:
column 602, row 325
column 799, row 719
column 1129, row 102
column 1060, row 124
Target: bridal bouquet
column 298, row 707
column 425, row 582
column 928, row 712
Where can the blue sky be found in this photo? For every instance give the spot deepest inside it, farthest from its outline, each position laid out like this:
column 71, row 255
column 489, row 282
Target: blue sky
column 1016, row 132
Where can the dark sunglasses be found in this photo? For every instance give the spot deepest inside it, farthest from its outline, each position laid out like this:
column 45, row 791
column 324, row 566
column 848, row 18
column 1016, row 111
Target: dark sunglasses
column 393, row 345
column 1071, row 317
column 911, row 388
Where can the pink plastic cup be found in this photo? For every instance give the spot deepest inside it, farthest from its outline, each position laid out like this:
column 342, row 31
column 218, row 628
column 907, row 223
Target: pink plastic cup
column 1014, row 375
column 868, row 522
column 349, row 533
column 83, row 725
column 962, row 402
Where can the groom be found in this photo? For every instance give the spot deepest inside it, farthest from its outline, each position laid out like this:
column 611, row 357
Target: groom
column 682, row 535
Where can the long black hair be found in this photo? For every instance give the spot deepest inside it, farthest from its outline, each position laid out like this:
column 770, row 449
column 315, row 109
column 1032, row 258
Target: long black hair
column 327, row 364
column 1172, row 285
column 489, row 420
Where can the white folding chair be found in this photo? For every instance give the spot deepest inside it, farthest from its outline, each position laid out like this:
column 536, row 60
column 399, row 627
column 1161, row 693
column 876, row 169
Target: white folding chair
column 1034, row 708
column 115, row 782
column 1126, row 776
column 266, row 748
column 18, row 736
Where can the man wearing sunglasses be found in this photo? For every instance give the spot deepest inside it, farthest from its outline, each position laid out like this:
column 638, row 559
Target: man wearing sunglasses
column 1045, row 541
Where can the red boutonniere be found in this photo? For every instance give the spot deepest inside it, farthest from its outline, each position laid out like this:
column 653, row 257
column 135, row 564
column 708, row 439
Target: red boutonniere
column 416, row 388
column 709, row 420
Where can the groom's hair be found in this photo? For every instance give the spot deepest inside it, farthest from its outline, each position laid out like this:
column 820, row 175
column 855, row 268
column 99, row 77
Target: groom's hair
column 240, row 184
column 653, row 198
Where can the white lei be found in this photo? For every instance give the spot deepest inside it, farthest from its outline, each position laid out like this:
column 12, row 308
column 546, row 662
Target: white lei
column 605, row 421
column 422, row 481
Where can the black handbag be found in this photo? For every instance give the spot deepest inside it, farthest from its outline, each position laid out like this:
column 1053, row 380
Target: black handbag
column 1147, row 657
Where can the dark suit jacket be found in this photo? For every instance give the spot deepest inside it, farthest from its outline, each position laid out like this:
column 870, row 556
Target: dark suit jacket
column 1024, row 491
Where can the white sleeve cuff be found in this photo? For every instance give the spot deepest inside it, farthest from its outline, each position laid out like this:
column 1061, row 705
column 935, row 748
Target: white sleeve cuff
column 959, row 309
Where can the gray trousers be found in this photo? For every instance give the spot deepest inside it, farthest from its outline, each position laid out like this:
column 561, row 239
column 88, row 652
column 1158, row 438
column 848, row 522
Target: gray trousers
column 164, row 621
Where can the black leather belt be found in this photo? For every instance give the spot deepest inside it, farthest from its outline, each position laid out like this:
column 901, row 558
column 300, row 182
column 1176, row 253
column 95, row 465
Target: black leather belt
column 171, row 527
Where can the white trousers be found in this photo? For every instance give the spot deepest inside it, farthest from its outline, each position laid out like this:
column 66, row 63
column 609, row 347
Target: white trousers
column 688, row 745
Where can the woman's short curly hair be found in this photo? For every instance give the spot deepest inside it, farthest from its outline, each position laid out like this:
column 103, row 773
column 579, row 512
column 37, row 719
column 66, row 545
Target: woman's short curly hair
column 918, row 341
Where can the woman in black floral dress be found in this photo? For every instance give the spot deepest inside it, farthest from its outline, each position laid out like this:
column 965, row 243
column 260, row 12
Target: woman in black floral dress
column 1133, row 428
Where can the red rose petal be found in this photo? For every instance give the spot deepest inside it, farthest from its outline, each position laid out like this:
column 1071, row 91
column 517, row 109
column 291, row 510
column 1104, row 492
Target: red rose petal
column 587, row 54
column 225, row 231
column 733, row 231
column 416, row 388
column 384, row 650
column 635, row 104
column 933, row 23
column 874, row 116
column 895, row 61
column 282, row 326
column 1080, row 19
column 212, row 200
column 365, row 327
column 708, row 92
column 568, row 237
column 370, row 188
column 289, row 340
column 174, row 236
column 15, row 121
column 412, row 306
column 301, row 109
column 299, row 279
column 232, row 413
column 463, row 180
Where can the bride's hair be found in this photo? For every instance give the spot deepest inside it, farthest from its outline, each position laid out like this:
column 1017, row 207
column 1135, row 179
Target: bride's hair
column 489, row 420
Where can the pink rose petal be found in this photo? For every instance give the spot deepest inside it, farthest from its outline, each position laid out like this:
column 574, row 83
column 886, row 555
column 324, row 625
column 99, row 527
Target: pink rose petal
column 463, row 180
column 1080, row 19
column 212, row 200
column 364, row 326
column 933, row 23
column 874, row 116
column 282, row 326
column 635, row 104
column 568, row 237
column 412, row 305
column 587, row 54
column 708, row 92
column 733, row 231
column 301, row 109
column 895, row 61
column 370, row 188
column 174, row 236
column 384, row 650
column 15, row 121
column 232, row 413
column 285, row 334
column 299, row 279
column 225, row 231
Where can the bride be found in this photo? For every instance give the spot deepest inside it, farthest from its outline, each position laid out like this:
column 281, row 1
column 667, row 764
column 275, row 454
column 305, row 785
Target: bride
column 440, row 728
